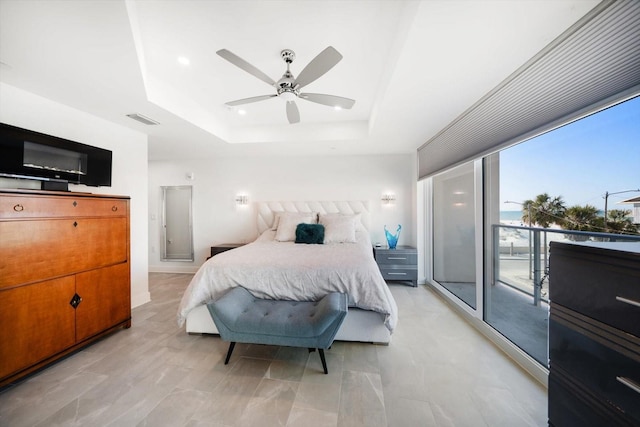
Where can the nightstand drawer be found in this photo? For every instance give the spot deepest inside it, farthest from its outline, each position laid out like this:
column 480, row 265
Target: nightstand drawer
column 400, row 264
column 396, row 258
column 391, row 272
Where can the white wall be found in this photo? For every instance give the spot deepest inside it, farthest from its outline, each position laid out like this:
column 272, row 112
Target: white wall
column 216, row 183
column 29, row 111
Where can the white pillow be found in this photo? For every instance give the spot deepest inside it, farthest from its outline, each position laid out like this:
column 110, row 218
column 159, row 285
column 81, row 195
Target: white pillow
column 339, row 228
column 277, row 215
column 289, row 222
column 357, row 217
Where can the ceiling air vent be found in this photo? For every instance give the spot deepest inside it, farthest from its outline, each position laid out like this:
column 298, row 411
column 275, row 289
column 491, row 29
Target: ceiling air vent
column 143, row 119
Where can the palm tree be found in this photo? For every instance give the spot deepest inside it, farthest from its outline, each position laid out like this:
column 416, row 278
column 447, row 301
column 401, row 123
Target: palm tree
column 544, row 210
column 581, row 218
column 620, row 221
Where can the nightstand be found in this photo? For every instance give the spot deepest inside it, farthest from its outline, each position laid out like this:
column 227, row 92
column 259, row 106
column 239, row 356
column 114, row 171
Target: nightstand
column 399, row 264
column 223, row 247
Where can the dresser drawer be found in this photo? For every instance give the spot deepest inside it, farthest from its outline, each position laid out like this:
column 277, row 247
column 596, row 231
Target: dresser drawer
column 38, row 249
column 390, row 272
column 23, row 206
column 605, row 365
column 598, row 283
column 571, row 406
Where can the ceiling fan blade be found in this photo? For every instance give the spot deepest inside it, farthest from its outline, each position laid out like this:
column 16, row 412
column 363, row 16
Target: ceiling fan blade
column 249, row 100
column 330, row 100
column 292, row 112
column 241, row 63
column 318, row 66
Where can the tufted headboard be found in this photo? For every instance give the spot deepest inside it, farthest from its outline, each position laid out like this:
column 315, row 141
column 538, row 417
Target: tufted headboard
column 267, row 210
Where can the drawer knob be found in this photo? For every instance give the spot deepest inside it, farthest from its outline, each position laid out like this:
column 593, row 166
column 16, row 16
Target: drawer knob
column 114, row 208
column 18, row 208
column 629, row 383
column 628, row 301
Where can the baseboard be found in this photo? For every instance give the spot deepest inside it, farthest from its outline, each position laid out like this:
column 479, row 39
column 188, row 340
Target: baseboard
column 188, row 269
column 140, row 299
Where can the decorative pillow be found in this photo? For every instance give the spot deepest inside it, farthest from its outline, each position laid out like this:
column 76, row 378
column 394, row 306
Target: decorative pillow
column 310, row 233
column 339, row 228
column 286, row 231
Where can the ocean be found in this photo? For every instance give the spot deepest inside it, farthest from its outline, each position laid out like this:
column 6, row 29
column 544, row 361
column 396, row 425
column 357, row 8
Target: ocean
column 510, row 215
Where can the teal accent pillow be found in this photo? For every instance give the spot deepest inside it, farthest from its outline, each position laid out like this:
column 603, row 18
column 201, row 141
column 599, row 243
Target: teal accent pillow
column 310, row 233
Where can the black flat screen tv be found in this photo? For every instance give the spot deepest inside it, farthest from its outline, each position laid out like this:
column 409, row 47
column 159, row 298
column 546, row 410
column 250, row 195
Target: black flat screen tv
column 33, row 155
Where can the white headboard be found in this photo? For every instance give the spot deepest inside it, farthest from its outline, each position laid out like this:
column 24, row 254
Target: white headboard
column 267, row 210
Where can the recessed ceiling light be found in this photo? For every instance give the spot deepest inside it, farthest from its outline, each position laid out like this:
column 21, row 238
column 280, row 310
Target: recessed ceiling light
column 183, row 60
column 337, row 108
column 242, row 112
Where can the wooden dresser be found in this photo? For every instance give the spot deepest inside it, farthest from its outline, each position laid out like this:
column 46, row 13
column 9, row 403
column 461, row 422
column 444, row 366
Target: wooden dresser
column 594, row 334
column 64, row 275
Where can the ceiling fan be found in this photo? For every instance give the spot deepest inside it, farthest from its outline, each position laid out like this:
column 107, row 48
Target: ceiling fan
column 288, row 87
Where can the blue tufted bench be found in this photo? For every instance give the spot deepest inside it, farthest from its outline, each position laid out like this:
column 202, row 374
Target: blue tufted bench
column 241, row 317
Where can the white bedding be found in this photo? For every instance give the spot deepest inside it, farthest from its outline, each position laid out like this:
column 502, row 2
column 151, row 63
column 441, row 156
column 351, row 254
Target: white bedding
column 300, row 272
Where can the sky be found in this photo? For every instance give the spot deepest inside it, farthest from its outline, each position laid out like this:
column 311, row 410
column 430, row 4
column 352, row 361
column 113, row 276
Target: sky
column 580, row 161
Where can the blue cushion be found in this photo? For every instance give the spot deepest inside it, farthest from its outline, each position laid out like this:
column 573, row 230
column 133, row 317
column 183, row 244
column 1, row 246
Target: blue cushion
column 240, row 317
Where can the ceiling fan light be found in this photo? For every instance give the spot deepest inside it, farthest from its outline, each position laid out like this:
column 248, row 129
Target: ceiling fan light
column 287, row 96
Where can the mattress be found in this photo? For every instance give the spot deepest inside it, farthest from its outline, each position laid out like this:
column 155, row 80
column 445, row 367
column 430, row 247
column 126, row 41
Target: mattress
column 272, row 269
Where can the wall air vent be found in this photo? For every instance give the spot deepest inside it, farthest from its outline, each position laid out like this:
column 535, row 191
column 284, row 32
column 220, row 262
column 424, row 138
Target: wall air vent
column 143, row 119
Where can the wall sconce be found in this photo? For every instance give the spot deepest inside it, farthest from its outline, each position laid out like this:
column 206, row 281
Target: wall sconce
column 242, row 200
column 388, row 199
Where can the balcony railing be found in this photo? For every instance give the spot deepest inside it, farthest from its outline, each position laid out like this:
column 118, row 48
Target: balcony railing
column 521, row 255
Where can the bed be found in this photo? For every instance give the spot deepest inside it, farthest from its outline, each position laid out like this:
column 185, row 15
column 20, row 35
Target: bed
column 275, row 267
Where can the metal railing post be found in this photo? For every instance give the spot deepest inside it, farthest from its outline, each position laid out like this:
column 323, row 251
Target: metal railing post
column 496, row 255
column 536, row 268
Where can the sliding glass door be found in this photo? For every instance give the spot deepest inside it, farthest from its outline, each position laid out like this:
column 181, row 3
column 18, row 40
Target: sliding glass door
column 454, row 259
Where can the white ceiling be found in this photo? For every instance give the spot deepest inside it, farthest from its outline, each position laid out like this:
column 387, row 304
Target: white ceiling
column 411, row 66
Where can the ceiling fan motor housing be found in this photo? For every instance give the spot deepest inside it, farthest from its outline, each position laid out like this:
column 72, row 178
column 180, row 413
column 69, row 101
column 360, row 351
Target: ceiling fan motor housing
column 285, row 86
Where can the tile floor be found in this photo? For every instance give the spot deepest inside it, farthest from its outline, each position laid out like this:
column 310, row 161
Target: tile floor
column 438, row 371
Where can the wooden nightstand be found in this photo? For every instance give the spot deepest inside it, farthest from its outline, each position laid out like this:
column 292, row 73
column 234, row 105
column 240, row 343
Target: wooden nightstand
column 223, row 247
column 400, row 264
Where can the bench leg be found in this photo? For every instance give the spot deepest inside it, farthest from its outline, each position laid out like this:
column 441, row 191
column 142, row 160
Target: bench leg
column 324, row 362
column 231, row 346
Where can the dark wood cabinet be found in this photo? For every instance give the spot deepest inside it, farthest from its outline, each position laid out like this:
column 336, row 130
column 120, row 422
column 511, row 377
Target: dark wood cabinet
column 594, row 334
column 64, row 275
column 399, row 264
